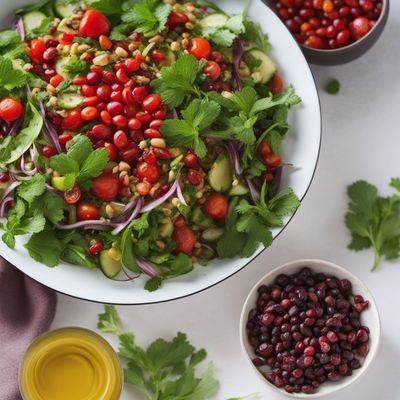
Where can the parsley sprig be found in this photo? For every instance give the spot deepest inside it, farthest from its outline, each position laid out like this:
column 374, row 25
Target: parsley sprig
column 165, row 370
column 374, row 221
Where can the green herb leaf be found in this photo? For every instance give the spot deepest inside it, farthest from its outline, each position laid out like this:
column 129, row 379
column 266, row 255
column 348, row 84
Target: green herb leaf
column 75, row 66
column 31, row 189
column 77, row 255
column 10, row 77
column 42, row 29
column 108, row 7
column 64, row 164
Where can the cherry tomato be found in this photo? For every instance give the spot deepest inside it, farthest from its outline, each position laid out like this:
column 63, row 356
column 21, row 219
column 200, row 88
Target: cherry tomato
column 177, row 18
column 56, row 80
column 273, row 160
column 157, row 55
column 93, row 24
column 106, row 186
column 37, row 48
column 263, row 149
column 184, row 239
column 95, row 248
column 73, row 120
column 152, row 102
column 200, row 48
column 64, row 138
column 10, row 109
column 216, row 206
column 72, row 196
column 148, row 172
column 276, row 84
column 87, row 211
column 212, row 70
column 105, row 42
column 359, row 27
column 48, row 151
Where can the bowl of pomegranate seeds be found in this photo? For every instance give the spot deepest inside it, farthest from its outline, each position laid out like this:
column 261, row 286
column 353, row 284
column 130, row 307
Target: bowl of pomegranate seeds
column 333, row 32
column 309, row 328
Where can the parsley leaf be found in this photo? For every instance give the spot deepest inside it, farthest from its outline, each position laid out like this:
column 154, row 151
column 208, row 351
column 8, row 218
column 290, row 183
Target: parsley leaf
column 10, row 77
column 108, row 7
column 224, row 35
column 42, row 29
column 10, row 45
column 178, row 80
column 76, row 66
column 254, row 33
column 374, row 221
column 148, row 16
column 34, row 187
column 199, row 115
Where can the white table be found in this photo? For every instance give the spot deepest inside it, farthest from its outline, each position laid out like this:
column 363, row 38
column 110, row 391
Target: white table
column 361, row 140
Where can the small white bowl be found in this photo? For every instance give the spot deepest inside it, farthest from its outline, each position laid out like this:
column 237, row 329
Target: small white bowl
column 369, row 318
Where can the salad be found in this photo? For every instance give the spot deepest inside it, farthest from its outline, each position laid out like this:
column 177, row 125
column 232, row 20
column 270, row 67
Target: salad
column 140, row 137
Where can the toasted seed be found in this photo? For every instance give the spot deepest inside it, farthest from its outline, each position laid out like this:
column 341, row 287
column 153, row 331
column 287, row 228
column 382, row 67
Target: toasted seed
column 158, row 142
column 160, row 244
column 143, row 144
column 175, row 201
column 189, row 26
column 74, row 48
column 109, row 210
column 50, row 89
column 226, row 94
column 101, row 60
column 156, row 39
column 257, row 76
column 83, row 47
column 123, row 166
column 121, row 52
column 175, row 46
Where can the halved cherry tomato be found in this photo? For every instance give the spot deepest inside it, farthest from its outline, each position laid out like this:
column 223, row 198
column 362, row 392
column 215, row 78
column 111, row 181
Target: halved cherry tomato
column 200, row 48
column 10, row 109
column 87, row 211
column 212, row 70
column 184, row 238
column 105, row 42
column 216, row 206
column 56, row 80
column 72, row 196
column 263, row 149
column 106, row 186
column 152, row 102
column 93, row 24
column 147, row 172
column 66, row 37
column 273, row 160
column 276, row 84
column 177, row 18
column 73, row 120
column 37, row 48
column 95, row 248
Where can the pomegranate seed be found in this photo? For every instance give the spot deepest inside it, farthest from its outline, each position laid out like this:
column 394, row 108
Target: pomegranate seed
column 51, row 43
column 152, row 133
column 48, row 151
column 4, row 177
column 162, row 153
column 121, row 76
column 89, row 113
column 79, row 81
column 102, row 132
column 90, row 101
column 131, row 153
column 92, row 78
column 132, row 64
column 134, row 124
column 157, row 55
column 120, row 121
column 96, row 68
column 103, row 92
column 130, row 84
column 108, row 77
column 130, row 110
column 64, row 138
column 144, row 117
column 139, row 94
column 127, row 96
column 117, row 87
column 105, row 117
column 116, row 96
column 156, row 124
column 114, row 108
column 101, row 106
column 105, row 42
column 160, row 114
column 150, row 158
column 194, row 177
column 309, row 351
column 119, row 66
column 137, row 135
column 50, row 54
column 95, row 248
column 87, row 91
column 119, row 139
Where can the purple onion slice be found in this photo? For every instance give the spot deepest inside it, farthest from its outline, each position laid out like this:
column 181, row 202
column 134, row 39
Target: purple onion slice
column 134, row 214
column 238, row 51
column 147, row 267
column 152, row 205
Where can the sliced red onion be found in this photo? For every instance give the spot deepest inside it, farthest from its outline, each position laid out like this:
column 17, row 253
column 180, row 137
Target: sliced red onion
column 238, row 51
column 3, row 205
column 162, row 199
column 22, row 167
column 180, row 194
column 10, row 188
column 147, row 268
column 88, row 224
column 134, row 214
column 15, row 127
column 234, row 158
column 125, row 213
column 254, row 193
column 17, row 25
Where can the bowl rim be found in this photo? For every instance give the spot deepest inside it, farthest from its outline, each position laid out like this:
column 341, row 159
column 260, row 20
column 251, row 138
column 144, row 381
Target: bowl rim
column 314, row 265
column 350, row 46
column 179, row 297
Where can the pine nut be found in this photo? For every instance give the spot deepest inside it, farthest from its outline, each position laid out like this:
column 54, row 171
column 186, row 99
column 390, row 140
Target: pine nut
column 109, row 210
column 101, row 60
column 158, row 142
column 175, row 46
column 83, row 47
column 123, row 166
column 121, row 52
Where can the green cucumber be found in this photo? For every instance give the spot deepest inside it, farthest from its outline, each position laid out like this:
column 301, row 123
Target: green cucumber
column 64, row 9
column 212, row 234
column 200, row 219
column 220, row 175
column 32, row 20
column 166, row 230
column 239, row 190
column 267, row 67
column 58, row 182
column 216, row 20
column 69, row 100
column 110, row 265
column 59, row 66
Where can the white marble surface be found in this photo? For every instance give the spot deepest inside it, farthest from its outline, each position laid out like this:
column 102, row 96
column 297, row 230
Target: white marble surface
column 361, row 139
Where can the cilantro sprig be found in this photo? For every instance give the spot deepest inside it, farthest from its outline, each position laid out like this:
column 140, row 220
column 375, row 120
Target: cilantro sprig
column 374, row 221
column 224, row 35
column 81, row 163
column 165, row 370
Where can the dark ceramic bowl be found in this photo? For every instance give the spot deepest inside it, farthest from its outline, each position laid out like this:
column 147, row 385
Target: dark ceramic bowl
column 347, row 53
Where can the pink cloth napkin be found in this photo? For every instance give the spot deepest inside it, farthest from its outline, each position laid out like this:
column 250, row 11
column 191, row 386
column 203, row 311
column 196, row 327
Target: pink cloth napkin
column 27, row 309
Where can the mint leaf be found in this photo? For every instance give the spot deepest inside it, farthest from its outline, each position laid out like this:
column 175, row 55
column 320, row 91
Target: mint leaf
column 77, row 255
column 45, row 248
column 108, row 7
column 93, row 166
column 64, row 164
column 10, row 77
column 31, row 189
column 79, row 148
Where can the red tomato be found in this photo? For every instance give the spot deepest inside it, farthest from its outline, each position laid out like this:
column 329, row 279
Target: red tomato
column 73, row 121
column 112, row 151
column 72, row 196
column 177, row 18
column 216, row 206
column 152, row 102
column 263, row 149
column 87, row 211
column 200, row 48
column 66, row 38
column 10, row 109
column 273, row 160
column 48, row 151
column 148, row 172
column 276, row 84
column 212, row 70
column 184, row 238
column 94, row 24
column 37, row 48
column 106, row 186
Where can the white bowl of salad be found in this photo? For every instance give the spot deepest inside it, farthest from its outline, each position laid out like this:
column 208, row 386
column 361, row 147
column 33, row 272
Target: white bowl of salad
column 158, row 146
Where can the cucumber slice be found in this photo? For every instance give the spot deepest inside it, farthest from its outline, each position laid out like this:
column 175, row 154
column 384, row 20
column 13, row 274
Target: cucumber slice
column 32, row 20
column 214, row 20
column 212, row 234
column 63, row 9
column 59, row 67
column 58, row 182
column 169, row 60
column 110, row 265
column 69, row 100
column 200, row 219
column 220, row 175
column 166, row 230
column 239, row 190
column 267, row 67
